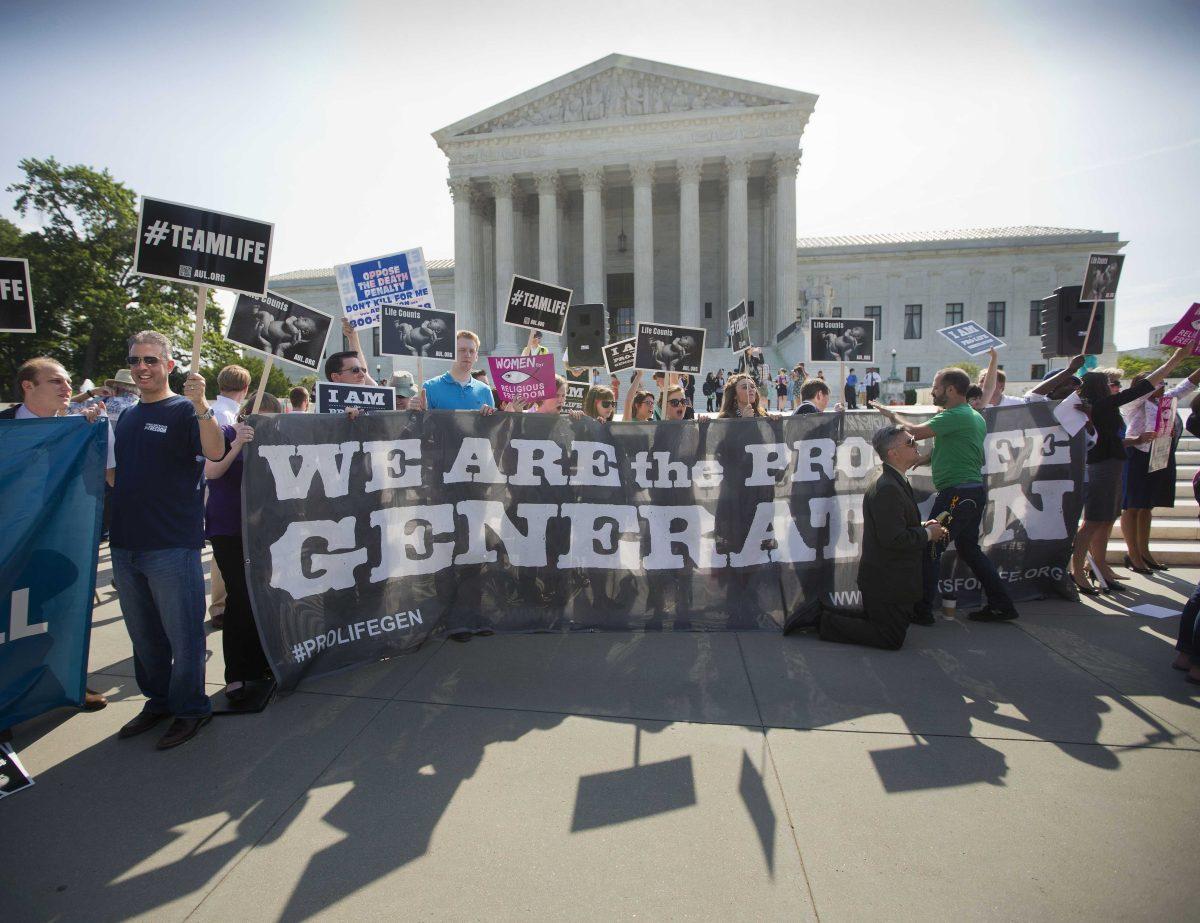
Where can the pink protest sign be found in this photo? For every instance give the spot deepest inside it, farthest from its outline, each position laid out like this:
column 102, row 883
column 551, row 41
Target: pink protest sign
column 1164, row 420
column 523, row 378
column 1185, row 332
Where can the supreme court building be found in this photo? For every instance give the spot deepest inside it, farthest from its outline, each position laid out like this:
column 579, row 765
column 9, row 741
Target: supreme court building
column 669, row 194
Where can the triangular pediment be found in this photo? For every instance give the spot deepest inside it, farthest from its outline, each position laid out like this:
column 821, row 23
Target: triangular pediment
column 619, row 88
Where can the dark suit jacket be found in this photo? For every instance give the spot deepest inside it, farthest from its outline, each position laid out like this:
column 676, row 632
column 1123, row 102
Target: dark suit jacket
column 10, row 413
column 893, row 539
column 805, row 408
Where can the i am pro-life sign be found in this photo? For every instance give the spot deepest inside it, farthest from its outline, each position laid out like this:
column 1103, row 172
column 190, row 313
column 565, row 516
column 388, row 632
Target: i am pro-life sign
column 333, row 397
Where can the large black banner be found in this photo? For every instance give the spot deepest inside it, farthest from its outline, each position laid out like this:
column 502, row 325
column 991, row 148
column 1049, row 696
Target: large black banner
column 365, row 536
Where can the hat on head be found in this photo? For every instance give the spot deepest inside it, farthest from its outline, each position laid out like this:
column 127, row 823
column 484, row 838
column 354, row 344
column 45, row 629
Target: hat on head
column 404, row 384
column 124, row 378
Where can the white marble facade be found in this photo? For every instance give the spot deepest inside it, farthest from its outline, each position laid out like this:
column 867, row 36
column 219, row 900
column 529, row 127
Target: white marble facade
column 670, row 194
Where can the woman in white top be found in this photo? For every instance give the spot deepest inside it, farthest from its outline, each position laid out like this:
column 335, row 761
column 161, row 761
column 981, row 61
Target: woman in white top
column 1144, row 489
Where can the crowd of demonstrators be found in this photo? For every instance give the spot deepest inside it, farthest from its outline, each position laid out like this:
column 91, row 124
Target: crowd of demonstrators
column 298, row 400
column 244, row 658
column 1103, row 397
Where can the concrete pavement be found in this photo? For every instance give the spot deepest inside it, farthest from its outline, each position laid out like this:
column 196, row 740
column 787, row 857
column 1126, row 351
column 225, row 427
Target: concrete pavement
column 1041, row 769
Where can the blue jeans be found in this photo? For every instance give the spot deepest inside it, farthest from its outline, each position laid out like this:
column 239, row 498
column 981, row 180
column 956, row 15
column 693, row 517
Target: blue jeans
column 162, row 598
column 964, row 532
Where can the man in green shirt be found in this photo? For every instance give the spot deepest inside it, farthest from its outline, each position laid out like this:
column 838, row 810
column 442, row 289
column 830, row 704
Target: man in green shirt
column 958, row 433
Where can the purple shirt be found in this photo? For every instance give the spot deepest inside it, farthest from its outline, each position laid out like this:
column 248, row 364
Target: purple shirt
column 223, row 512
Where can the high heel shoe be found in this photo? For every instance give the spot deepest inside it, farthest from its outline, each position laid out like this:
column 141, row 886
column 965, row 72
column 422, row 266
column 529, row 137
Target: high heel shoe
column 1137, row 570
column 1115, row 586
column 1153, row 564
column 1085, row 589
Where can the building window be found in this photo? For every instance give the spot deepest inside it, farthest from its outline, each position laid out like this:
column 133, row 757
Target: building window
column 1037, row 371
column 1035, row 318
column 624, row 323
column 749, row 308
column 954, row 313
column 912, row 322
column 708, row 310
column 875, row 312
column 995, row 323
column 912, row 373
column 837, row 312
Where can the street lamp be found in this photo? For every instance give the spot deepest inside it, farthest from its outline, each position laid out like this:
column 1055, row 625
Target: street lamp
column 893, row 375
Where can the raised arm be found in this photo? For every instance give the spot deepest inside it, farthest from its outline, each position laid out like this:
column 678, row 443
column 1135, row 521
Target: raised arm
column 989, row 378
column 1052, row 384
column 351, row 334
column 1156, row 377
column 635, row 384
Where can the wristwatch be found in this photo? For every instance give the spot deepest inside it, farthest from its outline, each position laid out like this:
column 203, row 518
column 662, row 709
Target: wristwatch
column 207, row 415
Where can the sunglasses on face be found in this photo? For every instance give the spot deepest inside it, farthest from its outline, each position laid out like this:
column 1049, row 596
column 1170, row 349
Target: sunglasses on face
column 1114, row 384
column 676, row 401
column 148, row 361
column 605, row 404
column 354, row 370
column 910, row 441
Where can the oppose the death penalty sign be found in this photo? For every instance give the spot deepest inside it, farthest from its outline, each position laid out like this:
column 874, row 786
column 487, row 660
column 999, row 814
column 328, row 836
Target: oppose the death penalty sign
column 398, row 278
column 377, row 532
column 180, row 243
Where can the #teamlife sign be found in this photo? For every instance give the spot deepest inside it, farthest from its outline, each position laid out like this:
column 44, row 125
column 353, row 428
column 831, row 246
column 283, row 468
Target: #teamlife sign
column 841, row 339
column 398, row 278
column 669, row 348
column 410, row 331
column 180, row 243
column 971, row 337
column 523, row 378
column 739, row 328
column 335, row 397
column 537, row 305
column 278, row 326
column 16, row 297
column 619, row 356
column 1100, row 280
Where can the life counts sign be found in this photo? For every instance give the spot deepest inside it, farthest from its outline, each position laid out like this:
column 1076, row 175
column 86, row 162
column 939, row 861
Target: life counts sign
column 669, row 348
column 16, row 298
column 334, row 397
column 181, row 243
column 377, row 533
column 286, row 329
column 537, row 305
column 421, row 332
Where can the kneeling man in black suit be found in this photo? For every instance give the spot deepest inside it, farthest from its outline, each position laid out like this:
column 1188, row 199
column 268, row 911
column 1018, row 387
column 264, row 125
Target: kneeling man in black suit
column 894, row 538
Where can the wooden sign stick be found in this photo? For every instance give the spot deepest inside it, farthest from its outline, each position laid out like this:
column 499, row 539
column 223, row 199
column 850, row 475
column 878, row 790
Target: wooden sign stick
column 198, row 334
column 262, row 382
column 1087, row 336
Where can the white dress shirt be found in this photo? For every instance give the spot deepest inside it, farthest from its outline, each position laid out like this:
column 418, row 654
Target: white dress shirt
column 1141, row 415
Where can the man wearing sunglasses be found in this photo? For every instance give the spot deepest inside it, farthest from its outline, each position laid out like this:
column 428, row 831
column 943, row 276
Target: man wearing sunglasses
column 157, row 533
column 347, row 368
column 893, row 544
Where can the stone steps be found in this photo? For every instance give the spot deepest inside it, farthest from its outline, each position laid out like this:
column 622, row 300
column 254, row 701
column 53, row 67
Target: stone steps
column 1169, row 530
column 1184, row 553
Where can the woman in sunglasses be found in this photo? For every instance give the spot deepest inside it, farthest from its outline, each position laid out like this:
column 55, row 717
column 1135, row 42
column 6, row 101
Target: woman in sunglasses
column 600, row 403
column 741, row 398
column 244, row 658
column 1105, row 466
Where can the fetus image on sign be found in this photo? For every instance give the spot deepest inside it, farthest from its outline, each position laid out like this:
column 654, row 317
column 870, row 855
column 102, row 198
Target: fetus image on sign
column 422, row 339
column 671, row 354
column 281, row 336
column 843, row 346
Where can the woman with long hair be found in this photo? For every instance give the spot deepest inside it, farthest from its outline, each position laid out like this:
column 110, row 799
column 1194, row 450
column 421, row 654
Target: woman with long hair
column 1105, row 466
column 244, row 658
column 741, row 398
column 600, row 404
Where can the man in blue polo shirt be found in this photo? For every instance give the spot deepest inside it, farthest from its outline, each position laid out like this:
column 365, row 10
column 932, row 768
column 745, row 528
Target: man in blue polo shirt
column 457, row 390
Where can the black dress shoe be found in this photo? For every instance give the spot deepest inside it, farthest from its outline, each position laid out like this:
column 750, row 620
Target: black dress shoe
column 1154, row 565
column 181, row 731
column 989, row 614
column 1115, row 586
column 922, row 616
column 140, row 724
column 93, row 701
column 1137, row 570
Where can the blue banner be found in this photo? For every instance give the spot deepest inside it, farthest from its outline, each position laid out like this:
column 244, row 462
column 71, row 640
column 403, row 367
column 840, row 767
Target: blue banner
column 52, row 495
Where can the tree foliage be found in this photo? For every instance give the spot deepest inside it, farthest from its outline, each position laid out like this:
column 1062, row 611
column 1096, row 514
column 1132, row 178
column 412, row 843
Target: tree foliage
column 87, row 300
column 1132, row 365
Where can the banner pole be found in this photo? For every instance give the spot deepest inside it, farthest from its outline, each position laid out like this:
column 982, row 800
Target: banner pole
column 842, row 376
column 198, row 333
column 1087, row 336
column 262, row 382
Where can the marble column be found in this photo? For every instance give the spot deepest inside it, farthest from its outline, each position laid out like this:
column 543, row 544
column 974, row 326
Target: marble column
column 502, row 191
column 738, row 236
column 690, row 308
column 464, row 254
column 643, row 240
column 784, row 168
column 547, row 189
column 593, row 235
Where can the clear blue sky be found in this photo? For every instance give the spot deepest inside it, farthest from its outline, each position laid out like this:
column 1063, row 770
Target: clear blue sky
column 317, row 116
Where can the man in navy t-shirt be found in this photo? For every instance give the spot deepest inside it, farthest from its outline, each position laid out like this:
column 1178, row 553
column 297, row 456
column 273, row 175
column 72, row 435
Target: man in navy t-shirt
column 156, row 535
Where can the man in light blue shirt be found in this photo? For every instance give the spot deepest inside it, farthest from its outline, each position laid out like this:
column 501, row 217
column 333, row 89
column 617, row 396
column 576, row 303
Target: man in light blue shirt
column 457, row 390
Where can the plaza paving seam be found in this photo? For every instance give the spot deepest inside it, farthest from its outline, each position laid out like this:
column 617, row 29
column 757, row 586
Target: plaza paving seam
column 1120, row 694
column 304, row 791
column 787, row 808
